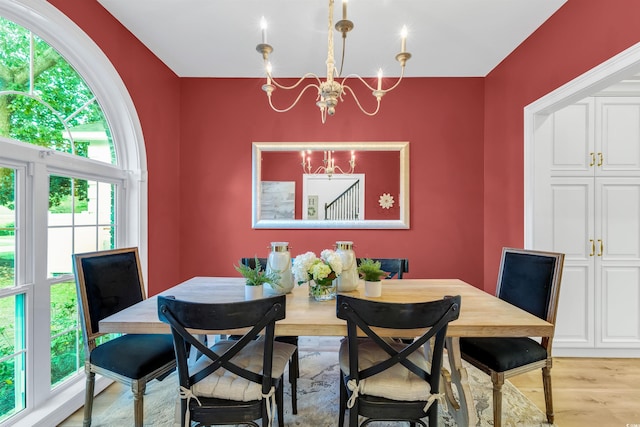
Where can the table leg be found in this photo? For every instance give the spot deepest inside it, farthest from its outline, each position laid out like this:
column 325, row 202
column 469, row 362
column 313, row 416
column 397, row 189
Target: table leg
column 463, row 409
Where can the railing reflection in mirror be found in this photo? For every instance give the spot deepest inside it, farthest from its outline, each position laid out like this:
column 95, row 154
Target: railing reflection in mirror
column 345, row 206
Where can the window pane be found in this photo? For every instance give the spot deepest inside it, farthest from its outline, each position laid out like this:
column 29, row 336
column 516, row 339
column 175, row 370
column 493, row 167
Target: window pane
column 61, row 203
column 106, row 203
column 12, row 355
column 84, row 202
column 7, row 227
column 82, row 223
column 59, row 251
column 84, row 239
column 60, row 112
column 66, row 342
column 106, row 238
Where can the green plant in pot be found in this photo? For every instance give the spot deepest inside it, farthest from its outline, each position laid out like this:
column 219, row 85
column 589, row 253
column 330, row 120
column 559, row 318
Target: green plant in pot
column 255, row 278
column 372, row 273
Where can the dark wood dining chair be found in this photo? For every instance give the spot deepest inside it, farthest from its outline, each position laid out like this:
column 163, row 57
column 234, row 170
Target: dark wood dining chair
column 396, row 267
column 294, row 363
column 107, row 282
column 388, row 380
column 529, row 280
column 234, row 381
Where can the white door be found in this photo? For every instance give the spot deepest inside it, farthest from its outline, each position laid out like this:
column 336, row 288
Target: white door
column 587, row 205
column 617, row 259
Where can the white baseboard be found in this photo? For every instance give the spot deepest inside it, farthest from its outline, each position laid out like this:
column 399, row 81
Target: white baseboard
column 58, row 408
column 596, row 352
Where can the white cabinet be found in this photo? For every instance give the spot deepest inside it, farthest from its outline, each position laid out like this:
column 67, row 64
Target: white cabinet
column 587, row 205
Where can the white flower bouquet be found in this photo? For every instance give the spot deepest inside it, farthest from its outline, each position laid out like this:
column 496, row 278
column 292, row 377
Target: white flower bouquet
column 322, row 271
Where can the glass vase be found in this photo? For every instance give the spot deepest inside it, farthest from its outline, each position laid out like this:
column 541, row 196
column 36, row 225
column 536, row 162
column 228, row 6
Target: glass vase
column 323, row 291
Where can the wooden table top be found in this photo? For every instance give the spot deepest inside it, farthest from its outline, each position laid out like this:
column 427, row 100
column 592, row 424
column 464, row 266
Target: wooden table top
column 481, row 314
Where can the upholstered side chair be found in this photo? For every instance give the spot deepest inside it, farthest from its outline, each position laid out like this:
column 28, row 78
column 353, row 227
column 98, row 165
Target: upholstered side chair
column 107, row 282
column 529, row 280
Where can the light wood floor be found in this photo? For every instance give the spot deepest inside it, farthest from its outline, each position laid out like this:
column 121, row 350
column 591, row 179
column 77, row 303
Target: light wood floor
column 586, row 391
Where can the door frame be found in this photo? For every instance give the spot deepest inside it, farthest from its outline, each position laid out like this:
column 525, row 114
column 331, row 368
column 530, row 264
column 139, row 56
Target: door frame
column 598, row 78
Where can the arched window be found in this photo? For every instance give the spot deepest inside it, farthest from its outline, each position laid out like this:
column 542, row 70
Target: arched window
column 44, row 101
column 68, row 184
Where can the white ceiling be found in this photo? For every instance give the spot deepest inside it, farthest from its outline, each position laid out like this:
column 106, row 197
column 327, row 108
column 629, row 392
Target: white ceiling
column 216, row 38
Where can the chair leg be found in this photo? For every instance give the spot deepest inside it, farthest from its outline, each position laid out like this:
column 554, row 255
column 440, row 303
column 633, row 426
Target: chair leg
column 294, row 374
column 548, row 399
column 353, row 414
column 280, row 404
column 343, row 402
column 138, row 388
column 88, row 398
column 497, row 379
column 433, row 414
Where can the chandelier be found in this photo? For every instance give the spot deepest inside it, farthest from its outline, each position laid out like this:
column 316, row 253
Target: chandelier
column 328, row 166
column 335, row 87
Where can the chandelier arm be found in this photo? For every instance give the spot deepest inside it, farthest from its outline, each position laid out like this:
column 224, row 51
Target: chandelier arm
column 277, row 110
column 319, row 170
column 344, row 47
column 338, row 168
column 371, row 87
column 397, row 83
column 359, row 78
column 303, row 78
column 359, row 105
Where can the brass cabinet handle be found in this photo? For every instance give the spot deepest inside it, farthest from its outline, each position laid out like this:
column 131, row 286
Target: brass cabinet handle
column 601, row 247
column 593, row 159
column 600, row 159
column 593, row 247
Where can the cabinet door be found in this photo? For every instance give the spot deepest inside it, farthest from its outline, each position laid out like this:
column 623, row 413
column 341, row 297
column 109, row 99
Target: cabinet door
column 571, row 211
column 617, row 139
column 572, row 149
column 618, row 262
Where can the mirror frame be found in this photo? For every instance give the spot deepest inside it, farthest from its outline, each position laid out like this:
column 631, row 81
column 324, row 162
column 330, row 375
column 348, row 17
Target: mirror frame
column 401, row 147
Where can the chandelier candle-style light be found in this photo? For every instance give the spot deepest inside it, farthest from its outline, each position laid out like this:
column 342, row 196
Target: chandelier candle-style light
column 328, row 164
column 335, row 87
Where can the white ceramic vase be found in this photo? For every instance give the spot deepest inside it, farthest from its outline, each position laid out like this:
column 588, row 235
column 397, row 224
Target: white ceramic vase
column 348, row 279
column 279, row 261
column 253, row 292
column 372, row 289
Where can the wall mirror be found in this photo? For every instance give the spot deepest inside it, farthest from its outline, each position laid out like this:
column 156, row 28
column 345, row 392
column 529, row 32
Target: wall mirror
column 330, row 185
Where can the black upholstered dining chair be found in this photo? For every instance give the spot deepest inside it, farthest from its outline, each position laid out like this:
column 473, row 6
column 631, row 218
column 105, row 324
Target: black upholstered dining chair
column 396, row 267
column 388, row 380
column 294, row 363
column 235, row 381
column 529, row 280
column 107, row 282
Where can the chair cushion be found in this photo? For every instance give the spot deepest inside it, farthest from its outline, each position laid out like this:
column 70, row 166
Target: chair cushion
column 134, row 355
column 502, row 354
column 397, row 382
column 223, row 384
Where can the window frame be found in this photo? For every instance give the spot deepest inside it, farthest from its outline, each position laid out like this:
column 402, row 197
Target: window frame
column 130, row 171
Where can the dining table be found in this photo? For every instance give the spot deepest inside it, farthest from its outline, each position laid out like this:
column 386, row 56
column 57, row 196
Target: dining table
column 481, row 315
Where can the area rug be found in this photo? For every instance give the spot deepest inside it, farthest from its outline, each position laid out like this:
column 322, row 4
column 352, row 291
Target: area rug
column 318, row 400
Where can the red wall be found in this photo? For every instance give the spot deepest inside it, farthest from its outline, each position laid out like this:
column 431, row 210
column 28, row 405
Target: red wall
column 466, row 143
column 441, row 118
column 578, row 37
column 155, row 92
